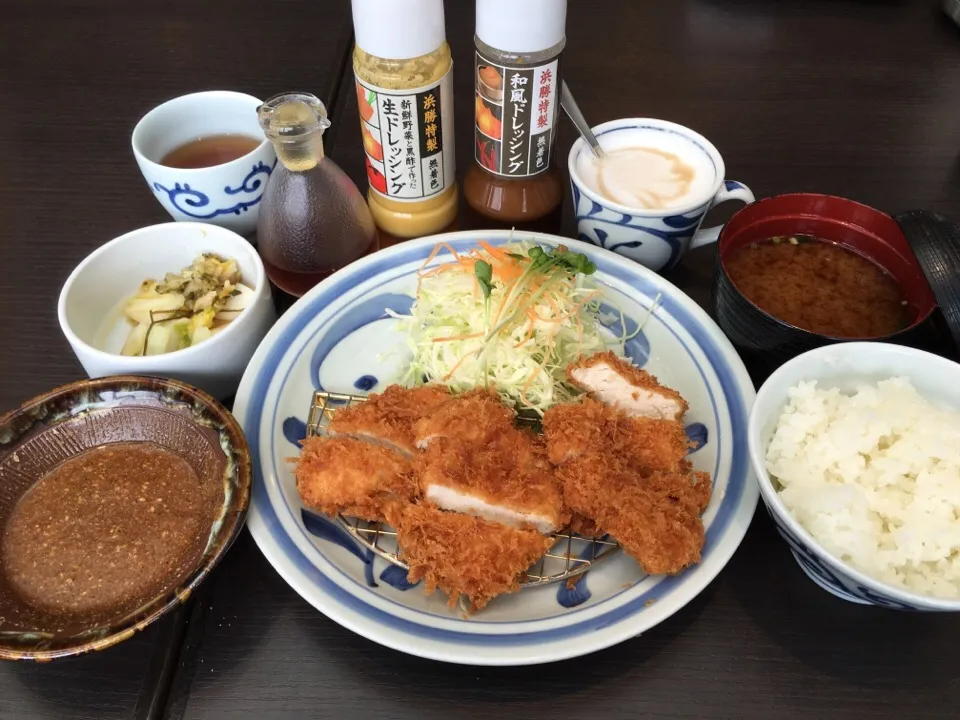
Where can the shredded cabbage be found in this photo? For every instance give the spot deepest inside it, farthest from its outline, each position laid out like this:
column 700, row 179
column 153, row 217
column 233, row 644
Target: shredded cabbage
column 516, row 336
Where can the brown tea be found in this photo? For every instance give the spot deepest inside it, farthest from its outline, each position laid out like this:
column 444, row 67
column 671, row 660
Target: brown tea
column 209, row 151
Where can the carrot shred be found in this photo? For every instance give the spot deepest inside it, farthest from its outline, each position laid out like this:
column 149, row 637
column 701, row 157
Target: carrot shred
column 457, row 263
column 495, row 253
column 433, row 253
column 452, row 338
column 452, row 251
column 553, row 304
column 529, row 334
column 574, row 311
column 456, row 367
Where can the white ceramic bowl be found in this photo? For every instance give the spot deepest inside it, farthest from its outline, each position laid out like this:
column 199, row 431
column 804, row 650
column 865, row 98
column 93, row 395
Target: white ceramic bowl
column 227, row 194
column 92, row 296
column 844, row 366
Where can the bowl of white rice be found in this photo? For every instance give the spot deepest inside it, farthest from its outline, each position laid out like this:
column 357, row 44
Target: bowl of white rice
column 857, row 450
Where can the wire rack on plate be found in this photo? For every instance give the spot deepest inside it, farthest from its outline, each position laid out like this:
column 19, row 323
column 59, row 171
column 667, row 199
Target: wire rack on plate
column 570, row 555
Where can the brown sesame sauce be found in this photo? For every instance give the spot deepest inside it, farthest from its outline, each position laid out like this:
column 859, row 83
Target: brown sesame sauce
column 105, row 532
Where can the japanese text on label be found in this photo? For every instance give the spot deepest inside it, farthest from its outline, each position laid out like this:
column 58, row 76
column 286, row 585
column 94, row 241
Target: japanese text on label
column 516, row 112
column 403, row 140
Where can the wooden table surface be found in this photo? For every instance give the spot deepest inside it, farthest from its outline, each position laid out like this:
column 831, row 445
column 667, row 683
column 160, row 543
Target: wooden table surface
column 75, row 76
column 860, row 99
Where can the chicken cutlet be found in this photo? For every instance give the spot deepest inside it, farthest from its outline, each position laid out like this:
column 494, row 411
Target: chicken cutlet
column 614, row 381
column 473, row 417
column 575, row 429
column 654, row 515
column 507, row 479
column 352, row 477
column 388, row 418
column 462, row 554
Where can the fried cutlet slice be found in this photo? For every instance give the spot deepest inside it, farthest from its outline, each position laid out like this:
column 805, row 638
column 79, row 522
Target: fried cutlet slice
column 614, row 381
column 702, row 490
column 507, row 479
column 584, row 526
column 663, row 538
column 689, row 489
column 388, row 417
column 353, row 477
column 575, row 429
column 475, row 417
column 462, row 554
column 655, row 516
column 617, row 473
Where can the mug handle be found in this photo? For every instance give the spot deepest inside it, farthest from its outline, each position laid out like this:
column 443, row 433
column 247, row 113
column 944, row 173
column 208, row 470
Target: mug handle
column 731, row 190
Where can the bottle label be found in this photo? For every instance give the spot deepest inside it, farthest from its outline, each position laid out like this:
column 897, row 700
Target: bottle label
column 408, row 139
column 516, row 116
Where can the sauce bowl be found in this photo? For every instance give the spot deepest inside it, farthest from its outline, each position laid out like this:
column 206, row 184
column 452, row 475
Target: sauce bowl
column 53, row 428
column 864, row 230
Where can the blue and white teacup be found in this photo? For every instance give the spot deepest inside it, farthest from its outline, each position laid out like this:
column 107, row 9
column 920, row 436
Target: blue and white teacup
column 228, row 194
column 656, row 238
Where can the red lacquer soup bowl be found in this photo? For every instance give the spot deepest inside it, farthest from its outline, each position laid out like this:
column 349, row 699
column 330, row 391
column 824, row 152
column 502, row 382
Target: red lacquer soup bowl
column 861, row 229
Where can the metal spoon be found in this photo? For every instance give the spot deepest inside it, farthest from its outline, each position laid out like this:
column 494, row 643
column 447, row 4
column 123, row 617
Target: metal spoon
column 573, row 111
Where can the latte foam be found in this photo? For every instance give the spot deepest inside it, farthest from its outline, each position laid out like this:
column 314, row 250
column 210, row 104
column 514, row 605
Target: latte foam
column 646, row 177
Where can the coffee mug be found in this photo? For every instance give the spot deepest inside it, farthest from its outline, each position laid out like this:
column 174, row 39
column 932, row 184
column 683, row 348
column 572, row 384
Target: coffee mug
column 228, row 194
column 656, row 238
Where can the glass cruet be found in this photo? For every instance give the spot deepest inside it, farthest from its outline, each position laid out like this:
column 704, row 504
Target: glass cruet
column 313, row 219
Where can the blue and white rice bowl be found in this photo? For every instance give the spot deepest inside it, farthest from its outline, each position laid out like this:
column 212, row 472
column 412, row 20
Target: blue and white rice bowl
column 845, row 366
column 339, row 338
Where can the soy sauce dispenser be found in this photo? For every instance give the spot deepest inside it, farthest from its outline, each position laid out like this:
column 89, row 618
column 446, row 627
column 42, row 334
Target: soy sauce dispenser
column 313, row 219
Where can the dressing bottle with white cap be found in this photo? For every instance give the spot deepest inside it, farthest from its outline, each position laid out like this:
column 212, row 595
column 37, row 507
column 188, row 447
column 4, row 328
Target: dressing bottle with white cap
column 404, row 79
column 514, row 181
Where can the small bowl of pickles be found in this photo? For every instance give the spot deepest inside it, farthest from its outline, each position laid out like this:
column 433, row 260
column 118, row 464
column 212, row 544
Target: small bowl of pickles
column 187, row 301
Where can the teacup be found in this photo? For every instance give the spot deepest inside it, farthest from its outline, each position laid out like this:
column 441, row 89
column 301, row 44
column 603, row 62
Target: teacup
column 228, row 194
column 656, row 238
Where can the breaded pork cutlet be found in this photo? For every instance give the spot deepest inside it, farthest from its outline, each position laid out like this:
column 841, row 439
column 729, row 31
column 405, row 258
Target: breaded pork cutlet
column 573, row 430
column 353, row 477
column 614, row 381
column 506, row 479
column 584, row 526
column 702, row 490
column 388, row 417
column 462, row 554
column 654, row 515
column 473, row 417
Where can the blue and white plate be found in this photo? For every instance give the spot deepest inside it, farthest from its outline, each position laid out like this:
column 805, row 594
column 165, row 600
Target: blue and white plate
column 338, row 338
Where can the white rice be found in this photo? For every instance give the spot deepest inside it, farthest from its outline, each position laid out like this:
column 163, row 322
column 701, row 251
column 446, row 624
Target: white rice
column 875, row 478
